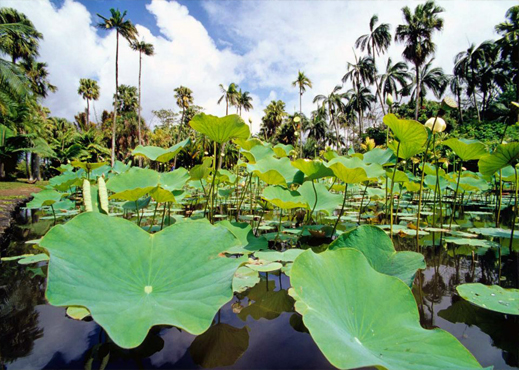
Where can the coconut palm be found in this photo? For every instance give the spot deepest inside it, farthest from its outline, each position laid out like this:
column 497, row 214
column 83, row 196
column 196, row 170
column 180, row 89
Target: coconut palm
column 127, row 30
column 361, row 74
column 273, row 118
column 19, row 38
column 394, row 79
column 431, row 78
column 37, row 74
column 89, row 90
column 184, row 96
column 147, row 49
column 334, row 104
column 466, row 66
column 230, row 95
column 456, row 86
column 302, row 82
column 377, row 41
column 416, row 34
column 359, row 100
column 244, row 101
column 509, row 43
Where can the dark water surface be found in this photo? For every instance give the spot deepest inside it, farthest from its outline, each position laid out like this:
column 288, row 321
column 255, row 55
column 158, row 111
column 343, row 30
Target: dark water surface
column 256, row 330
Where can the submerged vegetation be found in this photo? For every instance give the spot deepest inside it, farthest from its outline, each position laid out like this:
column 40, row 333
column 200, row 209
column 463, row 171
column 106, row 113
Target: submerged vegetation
column 164, row 227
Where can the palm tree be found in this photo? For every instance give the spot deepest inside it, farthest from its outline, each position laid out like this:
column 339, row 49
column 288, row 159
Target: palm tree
column 148, row 50
column 19, row 38
column 430, row 78
column 302, row 82
column 466, row 66
column 509, row 43
column 230, row 95
column 456, row 87
column 396, row 74
column 273, row 118
column 334, row 104
column 361, row 73
column 244, row 101
column 416, row 34
column 127, row 30
column 359, row 100
column 89, row 90
column 377, row 41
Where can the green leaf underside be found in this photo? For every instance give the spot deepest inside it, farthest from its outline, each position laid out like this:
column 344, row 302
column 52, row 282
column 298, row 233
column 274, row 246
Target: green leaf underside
column 411, row 135
column 380, row 252
column 504, row 155
column 492, row 297
column 466, row 149
column 159, row 154
column 131, row 280
column 221, row 129
column 370, row 319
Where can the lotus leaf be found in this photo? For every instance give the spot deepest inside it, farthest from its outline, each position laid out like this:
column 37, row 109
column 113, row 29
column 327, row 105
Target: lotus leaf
column 87, row 166
column 495, row 232
column 492, row 297
column 77, row 312
column 276, row 171
column 259, row 152
column 283, row 198
column 268, row 304
column 44, row 198
column 353, row 170
column 282, row 150
column 369, row 319
column 220, row 129
column 313, row 169
column 133, row 184
column 221, row 345
column 326, row 202
column 472, row 242
column 244, row 278
column 287, row 256
column 248, row 241
column 248, row 144
column 400, row 176
column 411, row 135
column 264, row 266
column 201, row 171
column 466, row 149
column 380, row 252
column 379, row 156
column 158, row 154
column 504, row 155
column 64, row 181
column 131, row 280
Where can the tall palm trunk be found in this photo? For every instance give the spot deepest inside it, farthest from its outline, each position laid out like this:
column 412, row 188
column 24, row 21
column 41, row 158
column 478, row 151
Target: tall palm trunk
column 139, row 118
column 417, row 98
column 474, row 95
column 87, row 123
column 458, row 91
column 180, row 132
column 300, row 122
column 376, row 80
column 112, row 159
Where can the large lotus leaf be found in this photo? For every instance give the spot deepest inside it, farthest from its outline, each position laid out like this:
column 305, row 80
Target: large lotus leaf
column 201, row 171
column 226, row 176
column 376, row 193
column 131, row 280
column 220, row 129
column 283, row 198
column 472, row 184
column 400, row 176
column 466, row 149
column 411, row 135
column 120, row 167
column 313, row 169
column 369, row 319
column 66, row 180
column 158, row 154
column 430, row 182
column 221, row 345
column 326, row 201
column 248, row 241
column 174, row 180
column 352, row 170
column 44, row 198
column 258, row 152
column 282, row 150
column 504, row 155
column 87, row 166
column 133, row 184
column 492, row 297
column 276, row 171
column 137, row 205
column 378, row 248
column 247, row 144
column 379, row 156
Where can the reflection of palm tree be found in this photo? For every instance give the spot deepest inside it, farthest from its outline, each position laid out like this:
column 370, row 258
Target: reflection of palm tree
column 89, row 90
column 127, row 30
column 416, row 34
column 146, row 49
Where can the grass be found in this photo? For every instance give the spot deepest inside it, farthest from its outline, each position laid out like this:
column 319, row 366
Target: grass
column 20, row 184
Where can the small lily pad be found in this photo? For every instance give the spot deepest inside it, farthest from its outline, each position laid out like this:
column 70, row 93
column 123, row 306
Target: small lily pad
column 492, row 297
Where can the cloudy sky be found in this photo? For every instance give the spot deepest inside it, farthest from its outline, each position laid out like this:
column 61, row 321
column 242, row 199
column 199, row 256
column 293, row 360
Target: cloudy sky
column 260, row 45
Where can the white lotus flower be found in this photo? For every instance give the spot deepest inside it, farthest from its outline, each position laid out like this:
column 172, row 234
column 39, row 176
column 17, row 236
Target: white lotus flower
column 440, row 125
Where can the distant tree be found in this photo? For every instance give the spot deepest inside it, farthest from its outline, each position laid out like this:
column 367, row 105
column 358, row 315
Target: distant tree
column 244, row 101
column 394, row 79
column 20, row 39
column 230, row 95
column 302, row 82
column 148, row 50
column 89, row 90
column 431, row 78
column 127, row 30
column 274, row 116
column 416, row 34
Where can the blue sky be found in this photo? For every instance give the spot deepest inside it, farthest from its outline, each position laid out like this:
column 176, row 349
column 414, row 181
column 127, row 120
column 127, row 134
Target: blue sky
column 260, row 45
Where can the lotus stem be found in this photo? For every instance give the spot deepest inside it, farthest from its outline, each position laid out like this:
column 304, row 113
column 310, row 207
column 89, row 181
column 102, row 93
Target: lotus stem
column 54, row 213
column 515, row 212
column 455, row 195
column 499, row 197
column 342, row 210
column 391, row 202
column 315, row 204
column 279, row 230
column 364, row 193
column 153, row 218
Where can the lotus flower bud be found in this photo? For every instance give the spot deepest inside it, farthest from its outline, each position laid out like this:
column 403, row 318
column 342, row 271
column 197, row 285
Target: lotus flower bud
column 297, row 119
column 448, row 104
column 389, row 99
column 439, row 126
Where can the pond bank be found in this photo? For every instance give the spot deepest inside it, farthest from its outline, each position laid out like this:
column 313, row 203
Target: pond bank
column 13, row 195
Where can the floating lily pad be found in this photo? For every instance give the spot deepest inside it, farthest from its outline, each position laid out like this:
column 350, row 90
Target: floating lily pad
column 472, row 242
column 369, row 319
column 380, row 252
column 492, row 297
column 495, row 232
column 44, row 198
column 287, row 256
column 77, row 312
column 244, row 278
column 131, row 280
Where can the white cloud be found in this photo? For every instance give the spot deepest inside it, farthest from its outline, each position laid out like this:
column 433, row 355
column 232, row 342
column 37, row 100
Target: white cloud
column 279, row 38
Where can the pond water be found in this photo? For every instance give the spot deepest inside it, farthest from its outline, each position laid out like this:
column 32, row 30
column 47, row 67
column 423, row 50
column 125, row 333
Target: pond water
column 259, row 328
